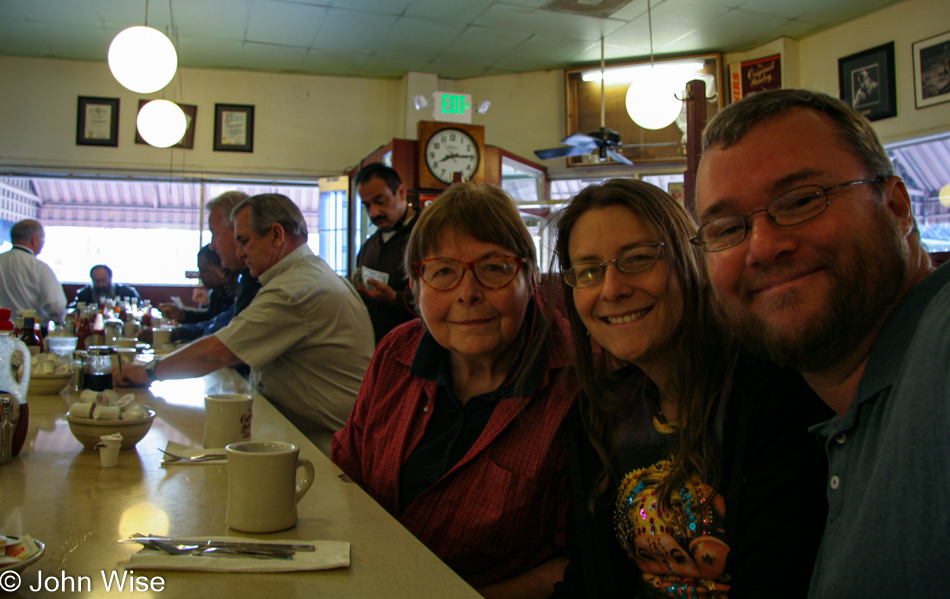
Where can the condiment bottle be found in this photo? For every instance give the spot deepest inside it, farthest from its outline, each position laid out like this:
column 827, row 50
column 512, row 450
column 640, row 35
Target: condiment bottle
column 15, row 378
column 28, row 334
column 79, row 369
column 83, row 327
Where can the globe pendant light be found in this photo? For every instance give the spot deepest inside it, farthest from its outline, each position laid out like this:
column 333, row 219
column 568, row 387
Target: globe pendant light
column 162, row 123
column 142, row 59
column 651, row 98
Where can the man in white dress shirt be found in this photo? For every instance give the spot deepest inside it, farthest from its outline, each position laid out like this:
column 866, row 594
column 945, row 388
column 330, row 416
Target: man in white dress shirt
column 26, row 283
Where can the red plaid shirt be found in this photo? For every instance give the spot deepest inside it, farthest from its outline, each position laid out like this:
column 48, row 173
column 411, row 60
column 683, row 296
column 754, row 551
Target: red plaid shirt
column 500, row 511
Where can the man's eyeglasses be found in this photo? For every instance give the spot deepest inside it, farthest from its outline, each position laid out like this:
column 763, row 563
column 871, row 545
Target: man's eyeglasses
column 791, row 208
column 634, row 260
column 493, row 272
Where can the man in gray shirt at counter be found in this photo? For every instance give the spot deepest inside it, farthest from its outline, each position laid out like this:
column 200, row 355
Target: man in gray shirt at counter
column 306, row 335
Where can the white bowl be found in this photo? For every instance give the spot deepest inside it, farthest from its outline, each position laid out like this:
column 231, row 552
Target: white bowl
column 20, row 566
column 88, row 431
column 48, row 384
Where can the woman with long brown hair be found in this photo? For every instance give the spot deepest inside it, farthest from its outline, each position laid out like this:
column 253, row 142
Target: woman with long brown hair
column 688, row 455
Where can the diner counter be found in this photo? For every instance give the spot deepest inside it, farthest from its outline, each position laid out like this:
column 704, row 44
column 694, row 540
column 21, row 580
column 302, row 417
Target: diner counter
column 57, row 492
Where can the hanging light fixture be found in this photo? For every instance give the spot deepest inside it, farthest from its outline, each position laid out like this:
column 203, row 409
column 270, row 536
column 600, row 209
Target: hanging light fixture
column 651, row 98
column 142, row 59
column 161, row 123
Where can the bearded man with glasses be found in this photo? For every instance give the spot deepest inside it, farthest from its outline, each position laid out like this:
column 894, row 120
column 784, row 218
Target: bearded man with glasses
column 816, row 261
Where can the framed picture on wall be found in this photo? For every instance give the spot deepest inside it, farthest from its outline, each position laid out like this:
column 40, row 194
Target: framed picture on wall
column 97, row 122
column 866, row 82
column 188, row 141
column 233, row 128
column 932, row 70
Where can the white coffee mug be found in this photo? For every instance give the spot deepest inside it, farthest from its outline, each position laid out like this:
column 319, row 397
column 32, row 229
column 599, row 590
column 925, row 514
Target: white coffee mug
column 262, row 485
column 227, row 418
column 161, row 338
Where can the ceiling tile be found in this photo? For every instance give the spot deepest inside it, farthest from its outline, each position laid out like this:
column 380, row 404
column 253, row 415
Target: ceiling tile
column 221, row 19
column 274, row 58
column 209, row 53
column 540, row 52
column 77, row 12
column 456, row 70
column 527, row 3
column 455, row 11
column 11, row 10
column 630, row 46
column 74, row 41
column 390, row 7
column 832, row 13
column 389, row 66
column 671, row 20
column 547, row 23
column 346, row 64
column 481, row 46
column 439, row 34
column 415, row 39
column 16, row 34
column 779, row 8
column 353, row 31
column 714, row 35
column 284, row 23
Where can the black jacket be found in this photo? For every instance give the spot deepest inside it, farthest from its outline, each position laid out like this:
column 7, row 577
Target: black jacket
column 388, row 257
column 773, row 480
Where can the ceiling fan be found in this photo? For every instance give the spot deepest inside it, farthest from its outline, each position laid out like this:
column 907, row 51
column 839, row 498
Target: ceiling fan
column 604, row 141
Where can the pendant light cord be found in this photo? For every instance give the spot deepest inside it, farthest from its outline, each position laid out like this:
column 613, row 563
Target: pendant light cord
column 650, row 27
column 603, row 98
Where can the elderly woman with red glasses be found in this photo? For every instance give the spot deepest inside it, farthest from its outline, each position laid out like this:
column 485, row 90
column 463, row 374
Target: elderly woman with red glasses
column 456, row 429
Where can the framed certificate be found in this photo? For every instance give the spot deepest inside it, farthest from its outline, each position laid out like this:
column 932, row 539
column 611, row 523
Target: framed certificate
column 97, row 122
column 233, row 128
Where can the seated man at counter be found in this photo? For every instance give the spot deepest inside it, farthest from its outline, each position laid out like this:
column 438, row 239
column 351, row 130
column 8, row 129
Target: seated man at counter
column 102, row 287
column 223, row 242
column 219, row 286
column 306, row 335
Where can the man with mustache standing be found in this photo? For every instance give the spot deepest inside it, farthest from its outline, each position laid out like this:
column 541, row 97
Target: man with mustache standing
column 816, row 260
column 383, row 195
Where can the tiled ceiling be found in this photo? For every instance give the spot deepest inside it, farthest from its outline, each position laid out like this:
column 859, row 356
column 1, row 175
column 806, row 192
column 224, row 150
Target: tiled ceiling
column 386, row 38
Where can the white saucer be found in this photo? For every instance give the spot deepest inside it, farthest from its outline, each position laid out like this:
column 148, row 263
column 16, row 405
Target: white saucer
column 19, row 567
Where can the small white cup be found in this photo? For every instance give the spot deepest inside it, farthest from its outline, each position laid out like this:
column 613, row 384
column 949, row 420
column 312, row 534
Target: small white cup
column 227, row 419
column 109, row 452
column 262, row 485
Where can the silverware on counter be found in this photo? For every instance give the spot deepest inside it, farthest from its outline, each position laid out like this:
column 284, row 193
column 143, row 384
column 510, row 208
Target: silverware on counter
column 239, row 545
column 203, row 457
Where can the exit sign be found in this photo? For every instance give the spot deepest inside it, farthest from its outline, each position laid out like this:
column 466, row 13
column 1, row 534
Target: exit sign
column 452, row 108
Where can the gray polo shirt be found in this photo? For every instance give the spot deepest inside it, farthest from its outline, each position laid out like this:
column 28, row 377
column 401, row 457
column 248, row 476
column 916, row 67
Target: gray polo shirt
column 308, row 340
column 889, row 461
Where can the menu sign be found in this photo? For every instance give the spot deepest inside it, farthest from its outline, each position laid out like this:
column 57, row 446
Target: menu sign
column 755, row 76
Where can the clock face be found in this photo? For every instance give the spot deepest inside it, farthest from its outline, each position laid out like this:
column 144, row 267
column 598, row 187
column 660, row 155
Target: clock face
column 450, row 151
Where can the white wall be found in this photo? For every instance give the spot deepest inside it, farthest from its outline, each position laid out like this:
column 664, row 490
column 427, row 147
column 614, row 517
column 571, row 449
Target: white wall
column 304, row 125
column 904, row 24
column 309, row 126
column 813, row 62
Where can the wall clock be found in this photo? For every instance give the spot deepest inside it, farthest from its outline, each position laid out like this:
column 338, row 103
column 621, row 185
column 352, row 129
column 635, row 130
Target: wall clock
column 448, row 148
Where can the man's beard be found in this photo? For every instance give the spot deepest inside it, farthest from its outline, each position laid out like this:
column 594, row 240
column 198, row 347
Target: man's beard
column 100, row 293
column 865, row 287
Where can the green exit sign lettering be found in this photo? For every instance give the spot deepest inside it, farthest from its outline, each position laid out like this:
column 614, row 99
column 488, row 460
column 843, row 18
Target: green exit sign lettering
column 452, row 108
